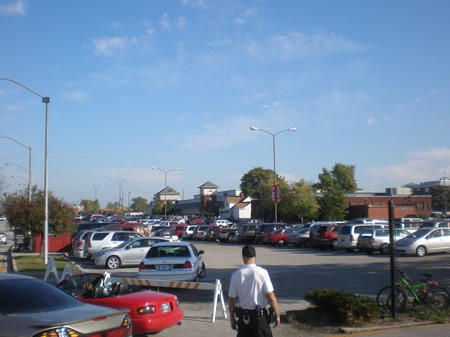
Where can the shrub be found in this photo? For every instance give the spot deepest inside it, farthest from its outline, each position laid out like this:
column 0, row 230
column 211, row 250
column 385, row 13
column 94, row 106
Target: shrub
column 348, row 308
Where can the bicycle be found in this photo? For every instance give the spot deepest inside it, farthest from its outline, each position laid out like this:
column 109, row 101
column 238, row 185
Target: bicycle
column 426, row 292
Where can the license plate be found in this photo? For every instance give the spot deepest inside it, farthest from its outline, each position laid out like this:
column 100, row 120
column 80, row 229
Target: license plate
column 164, row 267
column 165, row 307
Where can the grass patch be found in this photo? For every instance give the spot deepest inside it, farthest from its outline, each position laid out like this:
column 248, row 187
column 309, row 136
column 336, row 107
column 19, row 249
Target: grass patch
column 34, row 263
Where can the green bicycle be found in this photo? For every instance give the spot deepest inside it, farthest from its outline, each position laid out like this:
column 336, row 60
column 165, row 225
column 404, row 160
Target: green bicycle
column 426, row 292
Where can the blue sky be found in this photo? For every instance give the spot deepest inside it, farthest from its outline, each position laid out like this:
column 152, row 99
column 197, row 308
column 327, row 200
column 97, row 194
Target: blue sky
column 178, row 83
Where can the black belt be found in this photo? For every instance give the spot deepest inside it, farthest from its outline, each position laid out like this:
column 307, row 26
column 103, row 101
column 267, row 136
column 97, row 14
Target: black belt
column 252, row 313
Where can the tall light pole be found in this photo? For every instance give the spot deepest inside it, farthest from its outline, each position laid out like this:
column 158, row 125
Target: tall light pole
column 165, row 185
column 29, row 164
column 120, row 181
column 46, row 100
column 274, row 187
column 445, row 193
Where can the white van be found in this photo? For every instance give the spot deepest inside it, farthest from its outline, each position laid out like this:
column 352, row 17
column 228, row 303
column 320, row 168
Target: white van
column 348, row 234
column 222, row 223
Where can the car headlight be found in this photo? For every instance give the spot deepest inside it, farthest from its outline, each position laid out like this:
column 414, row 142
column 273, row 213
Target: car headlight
column 100, row 253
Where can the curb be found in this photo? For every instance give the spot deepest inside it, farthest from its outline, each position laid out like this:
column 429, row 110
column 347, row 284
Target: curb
column 351, row 330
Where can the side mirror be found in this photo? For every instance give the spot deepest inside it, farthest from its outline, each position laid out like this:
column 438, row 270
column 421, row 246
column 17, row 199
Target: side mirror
column 201, row 252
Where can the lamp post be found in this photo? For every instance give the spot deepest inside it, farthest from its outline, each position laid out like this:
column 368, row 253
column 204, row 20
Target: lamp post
column 29, row 164
column 46, row 100
column 445, row 193
column 120, row 181
column 275, row 201
column 165, row 185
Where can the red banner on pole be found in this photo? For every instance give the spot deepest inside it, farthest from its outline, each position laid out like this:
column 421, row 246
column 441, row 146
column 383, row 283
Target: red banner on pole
column 276, row 193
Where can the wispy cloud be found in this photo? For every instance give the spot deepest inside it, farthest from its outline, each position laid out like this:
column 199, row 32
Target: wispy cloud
column 14, row 8
column 194, row 3
column 295, row 45
column 138, row 175
column 164, row 22
column 77, row 95
column 110, row 46
column 422, row 166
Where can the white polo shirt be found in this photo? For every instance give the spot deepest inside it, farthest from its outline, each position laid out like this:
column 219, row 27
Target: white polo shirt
column 250, row 284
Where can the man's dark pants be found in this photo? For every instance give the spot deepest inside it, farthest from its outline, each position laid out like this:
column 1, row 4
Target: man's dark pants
column 257, row 327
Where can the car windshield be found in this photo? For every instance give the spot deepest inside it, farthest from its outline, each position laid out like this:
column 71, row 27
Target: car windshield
column 419, row 233
column 125, row 243
column 16, row 295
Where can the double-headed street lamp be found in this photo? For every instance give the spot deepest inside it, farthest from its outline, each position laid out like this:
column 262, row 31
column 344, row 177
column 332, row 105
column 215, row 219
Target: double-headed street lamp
column 275, row 188
column 29, row 163
column 46, row 100
column 165, row 186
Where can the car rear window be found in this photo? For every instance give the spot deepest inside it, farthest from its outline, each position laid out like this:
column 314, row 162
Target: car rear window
column 168, row 251
column 345, row 230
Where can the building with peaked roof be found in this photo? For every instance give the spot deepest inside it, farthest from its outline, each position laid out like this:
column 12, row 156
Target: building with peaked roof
column 167, row 193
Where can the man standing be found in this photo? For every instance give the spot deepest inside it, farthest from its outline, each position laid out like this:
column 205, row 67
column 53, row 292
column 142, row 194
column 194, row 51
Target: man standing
column 251, row 285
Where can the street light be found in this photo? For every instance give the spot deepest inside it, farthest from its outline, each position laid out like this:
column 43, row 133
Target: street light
column 95, row 189
column 46, row 100
column 445, row 193
column 165, row 185
column 29, row 163
column 120, row 181
column 275, row 200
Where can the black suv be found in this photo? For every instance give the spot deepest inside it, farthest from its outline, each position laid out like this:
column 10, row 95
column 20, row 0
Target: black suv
column 246, row 233
column 267, row 228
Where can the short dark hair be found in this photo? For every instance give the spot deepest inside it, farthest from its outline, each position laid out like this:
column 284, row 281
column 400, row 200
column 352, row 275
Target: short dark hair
column 248, row 251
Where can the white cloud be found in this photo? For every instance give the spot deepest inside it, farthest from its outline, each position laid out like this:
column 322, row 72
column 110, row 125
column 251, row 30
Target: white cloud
column 181, row 22
column 240, row 21
column 139, row 175
column 77, row 95
column 300, row 45
column 422, row 166
column 164, row 22
column 109, row 46
column 14, row 107
column 194, row 3
column 371, row 121
column 17, row 8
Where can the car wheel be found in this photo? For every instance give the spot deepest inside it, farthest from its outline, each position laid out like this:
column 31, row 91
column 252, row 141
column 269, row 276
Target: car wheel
column 384, row 249
column 281, row 243
column 349, row 250
column 334, row 245
column 232, row 238
column 202, row 272
column 113, row 262
column 421, row 251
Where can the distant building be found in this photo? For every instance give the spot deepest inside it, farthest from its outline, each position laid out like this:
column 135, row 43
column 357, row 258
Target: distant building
column 375, row 205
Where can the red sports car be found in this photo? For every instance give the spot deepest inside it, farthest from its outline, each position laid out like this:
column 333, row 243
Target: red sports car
column 150, row 311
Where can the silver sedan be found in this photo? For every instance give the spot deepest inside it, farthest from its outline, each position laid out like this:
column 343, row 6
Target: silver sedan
column 130, row 252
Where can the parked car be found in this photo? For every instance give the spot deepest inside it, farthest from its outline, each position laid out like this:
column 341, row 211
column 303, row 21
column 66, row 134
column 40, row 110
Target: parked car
column 348, row 234
column 246, row 233
column 106, row 239
column 425, row 241
column 149, row 311
column 373, row 240
column 302, row 238
column 227, row 233
column 200, row 232
column 188, row 231
column 78, row 242
column 3, row 238
column 128, row 253
column 325, row 236
column 266, row 228
column 30, row 307
column 177, row 261
column 280, row 237
column 178, row 230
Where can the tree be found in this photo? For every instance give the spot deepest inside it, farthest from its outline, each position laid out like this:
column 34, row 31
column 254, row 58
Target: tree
column 304, row 204
column 439, row 198
column 29, row 215
column 90, row 207
column 257, row 184
column 158, row 207
column 139, row 204
column 334, row 184
column 114, row 206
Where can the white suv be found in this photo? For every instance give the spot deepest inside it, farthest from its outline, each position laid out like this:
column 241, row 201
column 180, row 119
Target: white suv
column 106, row 239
